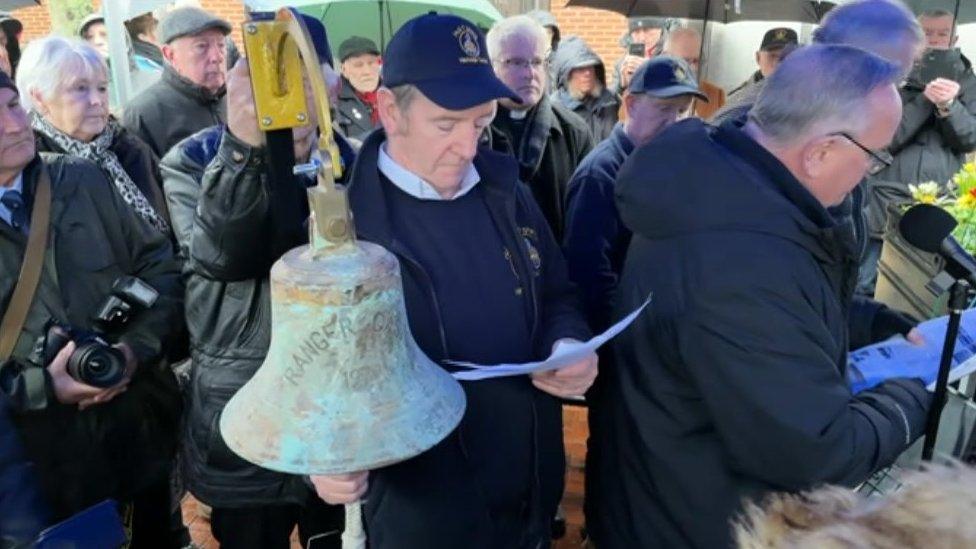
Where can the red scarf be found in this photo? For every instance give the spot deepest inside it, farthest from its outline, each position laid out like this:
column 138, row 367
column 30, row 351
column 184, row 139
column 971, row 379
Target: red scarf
column 370, row 99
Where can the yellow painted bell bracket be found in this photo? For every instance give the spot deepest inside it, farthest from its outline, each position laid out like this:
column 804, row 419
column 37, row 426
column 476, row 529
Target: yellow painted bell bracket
column 276, row 51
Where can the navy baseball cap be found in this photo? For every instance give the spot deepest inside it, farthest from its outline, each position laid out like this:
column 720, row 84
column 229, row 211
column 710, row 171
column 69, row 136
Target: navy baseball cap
column 665, row 76
column 446, row 58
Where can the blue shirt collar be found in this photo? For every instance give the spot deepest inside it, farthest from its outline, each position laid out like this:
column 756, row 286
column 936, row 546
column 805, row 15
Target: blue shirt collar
column 414, row 185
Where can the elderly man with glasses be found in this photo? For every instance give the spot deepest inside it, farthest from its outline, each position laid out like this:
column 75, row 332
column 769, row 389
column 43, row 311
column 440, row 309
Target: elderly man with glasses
column 546, row 138
column 735, row 384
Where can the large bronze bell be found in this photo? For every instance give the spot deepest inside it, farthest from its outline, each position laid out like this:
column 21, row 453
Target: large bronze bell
column 344, row 387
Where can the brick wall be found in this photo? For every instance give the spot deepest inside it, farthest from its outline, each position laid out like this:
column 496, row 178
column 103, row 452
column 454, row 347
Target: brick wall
column 37, row 19
column 600, row 29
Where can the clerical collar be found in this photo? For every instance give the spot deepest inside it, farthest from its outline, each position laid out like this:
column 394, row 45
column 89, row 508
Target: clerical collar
column 518, row 115
column 414, row 185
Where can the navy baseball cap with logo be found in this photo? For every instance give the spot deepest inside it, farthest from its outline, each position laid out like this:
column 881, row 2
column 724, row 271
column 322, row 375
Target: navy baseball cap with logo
column 665, row 76
column 446, row 58
column 778, row 38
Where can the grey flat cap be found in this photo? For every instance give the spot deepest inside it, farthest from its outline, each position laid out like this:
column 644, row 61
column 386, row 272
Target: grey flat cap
column 188, row 21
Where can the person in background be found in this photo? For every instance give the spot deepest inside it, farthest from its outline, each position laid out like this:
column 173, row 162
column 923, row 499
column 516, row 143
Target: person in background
column 546, row 138
column 581, row 86
column 359, row 63
column 65, row 87
column 596, row 239
column 770, row 53
column 10, row 29
column 686, row 43
column 648, row 31
column 937, row 131
column 92, row 30
column 145, row 49
column 741, row 361
column 190, row 94
column 218, row 173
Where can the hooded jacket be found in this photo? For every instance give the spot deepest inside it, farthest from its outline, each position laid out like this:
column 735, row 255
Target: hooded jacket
column 600, row 112
column 734, row 383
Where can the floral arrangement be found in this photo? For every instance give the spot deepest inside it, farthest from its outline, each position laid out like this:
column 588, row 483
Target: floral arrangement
column 958, row 198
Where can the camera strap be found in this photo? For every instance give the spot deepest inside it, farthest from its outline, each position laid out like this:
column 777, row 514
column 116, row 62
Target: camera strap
column 30, row 269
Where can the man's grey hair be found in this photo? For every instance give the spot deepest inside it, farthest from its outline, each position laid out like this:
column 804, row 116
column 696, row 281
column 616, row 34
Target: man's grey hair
column 879, row 26
column 518, row 25
column 403, row 95
column 679, row 32
column 821, row 88
column 49, row 63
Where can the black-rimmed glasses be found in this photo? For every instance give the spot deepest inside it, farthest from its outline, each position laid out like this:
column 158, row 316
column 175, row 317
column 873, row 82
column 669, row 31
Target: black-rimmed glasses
column 879, row 159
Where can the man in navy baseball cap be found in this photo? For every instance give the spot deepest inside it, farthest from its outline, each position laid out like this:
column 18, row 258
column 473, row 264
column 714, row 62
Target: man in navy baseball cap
column 484, row 282
column 446, row 58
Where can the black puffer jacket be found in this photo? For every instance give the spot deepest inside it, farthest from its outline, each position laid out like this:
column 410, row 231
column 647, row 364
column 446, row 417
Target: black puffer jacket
column 734, row 384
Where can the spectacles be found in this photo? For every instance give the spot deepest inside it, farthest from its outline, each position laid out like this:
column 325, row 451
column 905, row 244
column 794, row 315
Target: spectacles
column 879, row 159
column 520, row 63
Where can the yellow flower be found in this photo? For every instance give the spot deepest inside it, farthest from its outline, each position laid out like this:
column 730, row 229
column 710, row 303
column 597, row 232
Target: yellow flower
column 970, row 168
column 925, row 193
column 968, row 199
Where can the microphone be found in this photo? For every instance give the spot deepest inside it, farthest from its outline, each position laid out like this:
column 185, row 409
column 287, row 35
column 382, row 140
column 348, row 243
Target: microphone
column 929, row 228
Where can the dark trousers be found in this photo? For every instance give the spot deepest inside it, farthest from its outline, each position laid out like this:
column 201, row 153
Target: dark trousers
column 152, row 519
column 319, row 526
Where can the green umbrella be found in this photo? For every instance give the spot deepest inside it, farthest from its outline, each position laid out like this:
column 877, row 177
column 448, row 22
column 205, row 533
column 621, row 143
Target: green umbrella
column 379, row 19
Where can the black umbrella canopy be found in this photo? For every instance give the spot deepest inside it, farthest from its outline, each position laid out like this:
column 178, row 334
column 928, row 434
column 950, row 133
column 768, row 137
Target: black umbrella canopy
column 722, row 11
column 967, row 8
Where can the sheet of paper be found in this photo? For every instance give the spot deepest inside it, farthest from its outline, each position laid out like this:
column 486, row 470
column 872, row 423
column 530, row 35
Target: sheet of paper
column 896, row 357
column 564, row 355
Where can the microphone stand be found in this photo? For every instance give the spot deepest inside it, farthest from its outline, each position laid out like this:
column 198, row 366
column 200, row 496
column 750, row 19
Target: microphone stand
column 958, row 296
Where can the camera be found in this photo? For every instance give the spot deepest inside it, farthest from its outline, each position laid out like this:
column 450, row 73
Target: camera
column 94, row 361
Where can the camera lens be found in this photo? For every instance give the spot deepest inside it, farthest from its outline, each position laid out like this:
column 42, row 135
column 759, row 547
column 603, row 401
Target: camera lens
column 96, row 364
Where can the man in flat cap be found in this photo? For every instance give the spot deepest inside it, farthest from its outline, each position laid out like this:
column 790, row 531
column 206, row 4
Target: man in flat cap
column 190, row 94
column 359, row 60
column 484, row 281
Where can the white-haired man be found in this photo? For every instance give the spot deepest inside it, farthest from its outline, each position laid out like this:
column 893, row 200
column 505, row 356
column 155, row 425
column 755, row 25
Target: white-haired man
column 735, row 385
column 546, row 138
column 686, row 43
